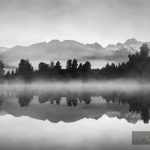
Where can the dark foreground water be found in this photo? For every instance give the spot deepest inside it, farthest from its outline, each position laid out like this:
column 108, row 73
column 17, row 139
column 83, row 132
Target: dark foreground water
column 72, row 119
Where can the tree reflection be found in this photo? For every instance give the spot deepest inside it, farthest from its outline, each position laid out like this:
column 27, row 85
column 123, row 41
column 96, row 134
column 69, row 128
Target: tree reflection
column 43, row 98
column 145, row 115
column 24, row 99
column 1, row 99
column 49, row 97
column 71, row 99
column 87, row 98
column 138, row 102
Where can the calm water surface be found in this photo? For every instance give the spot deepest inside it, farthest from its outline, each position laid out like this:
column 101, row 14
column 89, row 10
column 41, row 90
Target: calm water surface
column 72, row 120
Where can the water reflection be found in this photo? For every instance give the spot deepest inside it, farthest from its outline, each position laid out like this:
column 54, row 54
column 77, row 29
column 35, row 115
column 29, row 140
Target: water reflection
column 86, row 134
column 71, row 120
column 1, row 99
column 24, row 98
column 135, row 103
column 138, row 102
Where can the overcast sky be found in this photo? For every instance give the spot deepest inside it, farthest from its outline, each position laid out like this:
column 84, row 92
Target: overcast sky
column 23, row 22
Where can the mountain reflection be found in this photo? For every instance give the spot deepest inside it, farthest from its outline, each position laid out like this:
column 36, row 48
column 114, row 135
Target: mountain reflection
column 138, row 103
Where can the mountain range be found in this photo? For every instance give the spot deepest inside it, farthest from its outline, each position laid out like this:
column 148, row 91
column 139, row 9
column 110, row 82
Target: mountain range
column 69, row 49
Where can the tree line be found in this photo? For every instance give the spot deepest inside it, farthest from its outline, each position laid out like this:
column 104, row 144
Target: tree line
column 138, row 66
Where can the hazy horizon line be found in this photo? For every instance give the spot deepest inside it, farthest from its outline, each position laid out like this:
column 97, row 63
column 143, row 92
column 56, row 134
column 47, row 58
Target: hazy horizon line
column 84, row 43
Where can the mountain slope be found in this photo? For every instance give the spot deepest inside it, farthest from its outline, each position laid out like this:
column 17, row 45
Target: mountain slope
column 131, row 45
column 69, row 49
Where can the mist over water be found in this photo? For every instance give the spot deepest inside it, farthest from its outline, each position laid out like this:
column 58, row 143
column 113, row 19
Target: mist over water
column 127, row 86
column 73, row 115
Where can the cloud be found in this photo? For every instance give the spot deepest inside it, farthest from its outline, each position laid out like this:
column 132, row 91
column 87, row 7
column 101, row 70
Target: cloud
column 25, row 22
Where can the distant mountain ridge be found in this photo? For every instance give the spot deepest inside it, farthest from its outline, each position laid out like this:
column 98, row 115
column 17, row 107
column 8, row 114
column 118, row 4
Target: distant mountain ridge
column 131, row 45
column 69, row 49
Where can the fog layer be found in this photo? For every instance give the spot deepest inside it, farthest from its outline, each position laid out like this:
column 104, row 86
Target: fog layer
column 129, row 86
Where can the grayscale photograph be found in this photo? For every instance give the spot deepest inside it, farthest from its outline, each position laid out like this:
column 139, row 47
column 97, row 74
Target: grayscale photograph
column 74, row 74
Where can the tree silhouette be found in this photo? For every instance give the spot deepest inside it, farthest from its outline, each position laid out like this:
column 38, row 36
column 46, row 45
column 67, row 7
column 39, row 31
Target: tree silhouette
column 80, row 67
column 43, row 67
column 52, row 65
column 144, row 50
column 1, row 69
column 87, row 66
column 43, row 70
column 58, row 67
column 12, row 74
column 69, row 65
column 25, row 70
column 74, row 68
column 74, row 65
column 8, row 75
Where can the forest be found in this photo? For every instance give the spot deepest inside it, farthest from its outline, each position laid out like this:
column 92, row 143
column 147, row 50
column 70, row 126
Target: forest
column 137, row 67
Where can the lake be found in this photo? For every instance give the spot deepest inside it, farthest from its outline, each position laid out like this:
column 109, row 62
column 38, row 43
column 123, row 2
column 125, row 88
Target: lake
column 73, row 116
